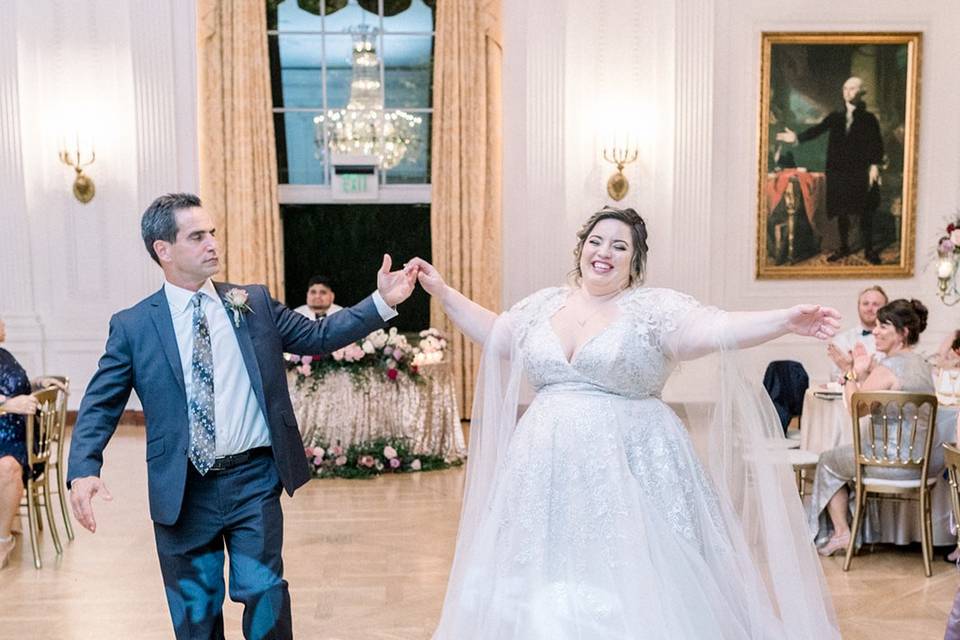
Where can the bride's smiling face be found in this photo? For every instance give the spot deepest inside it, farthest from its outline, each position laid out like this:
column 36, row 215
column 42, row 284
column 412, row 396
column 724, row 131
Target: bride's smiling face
column 606, row 256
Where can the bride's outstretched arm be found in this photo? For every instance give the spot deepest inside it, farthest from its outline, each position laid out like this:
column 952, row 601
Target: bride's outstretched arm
column 743, row 329
column 472, row 319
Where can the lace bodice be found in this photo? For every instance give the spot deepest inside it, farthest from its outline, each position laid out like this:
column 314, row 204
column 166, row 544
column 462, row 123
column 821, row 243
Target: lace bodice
column 629, row 357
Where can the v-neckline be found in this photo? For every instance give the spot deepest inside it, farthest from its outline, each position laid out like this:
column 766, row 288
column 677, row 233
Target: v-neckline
column 576, row 353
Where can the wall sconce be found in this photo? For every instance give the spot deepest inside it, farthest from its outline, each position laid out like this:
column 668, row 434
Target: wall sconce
column 618, row 185
column 83, row 187
column 947, row 280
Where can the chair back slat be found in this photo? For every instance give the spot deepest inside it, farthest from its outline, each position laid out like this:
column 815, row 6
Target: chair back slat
column 900, row 431
column 41, row 426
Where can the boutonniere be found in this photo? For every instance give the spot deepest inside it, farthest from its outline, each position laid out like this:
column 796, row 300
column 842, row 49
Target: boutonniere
column 236, row 300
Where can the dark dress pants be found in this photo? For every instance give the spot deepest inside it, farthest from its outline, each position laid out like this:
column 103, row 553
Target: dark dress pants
column 237, row 509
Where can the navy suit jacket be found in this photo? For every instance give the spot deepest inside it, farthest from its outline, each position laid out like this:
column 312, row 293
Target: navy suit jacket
column 141, row 354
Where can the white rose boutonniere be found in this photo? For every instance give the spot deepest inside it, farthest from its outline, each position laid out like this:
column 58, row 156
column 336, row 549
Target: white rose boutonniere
column 236, row 300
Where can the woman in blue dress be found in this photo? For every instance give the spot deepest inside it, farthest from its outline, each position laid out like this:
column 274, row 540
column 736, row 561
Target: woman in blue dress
column 15, row 404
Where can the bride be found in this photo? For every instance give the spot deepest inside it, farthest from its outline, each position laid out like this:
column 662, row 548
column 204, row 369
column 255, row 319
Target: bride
column 591, row 516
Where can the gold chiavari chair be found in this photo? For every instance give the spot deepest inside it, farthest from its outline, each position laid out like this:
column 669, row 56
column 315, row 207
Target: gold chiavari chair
column 951, row 456
column 40, row 429
column 57, row 458
column 899, row 435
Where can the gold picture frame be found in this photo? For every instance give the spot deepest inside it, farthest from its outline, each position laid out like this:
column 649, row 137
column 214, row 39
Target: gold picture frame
column 836, row 194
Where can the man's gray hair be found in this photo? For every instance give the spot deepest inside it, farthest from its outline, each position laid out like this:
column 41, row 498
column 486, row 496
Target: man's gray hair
column 159, row 221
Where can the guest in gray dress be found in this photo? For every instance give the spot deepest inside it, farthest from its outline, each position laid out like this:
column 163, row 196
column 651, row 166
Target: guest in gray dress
column 899, row 325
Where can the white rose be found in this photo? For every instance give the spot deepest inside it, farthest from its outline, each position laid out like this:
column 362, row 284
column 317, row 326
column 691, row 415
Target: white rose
column 955, row 237
column 368, row 347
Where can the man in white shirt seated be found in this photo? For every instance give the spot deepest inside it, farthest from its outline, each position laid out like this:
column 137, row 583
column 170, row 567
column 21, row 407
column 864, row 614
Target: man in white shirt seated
column 840, row 350
column 320, row 297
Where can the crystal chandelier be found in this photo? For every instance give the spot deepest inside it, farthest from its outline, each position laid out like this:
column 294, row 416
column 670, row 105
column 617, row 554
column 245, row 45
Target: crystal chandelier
column 363, row 128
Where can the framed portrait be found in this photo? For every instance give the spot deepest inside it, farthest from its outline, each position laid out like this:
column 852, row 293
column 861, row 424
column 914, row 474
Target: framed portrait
column 838, row 155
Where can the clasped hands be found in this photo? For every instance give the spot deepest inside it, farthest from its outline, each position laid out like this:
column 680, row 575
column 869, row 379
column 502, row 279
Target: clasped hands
column 396, row 286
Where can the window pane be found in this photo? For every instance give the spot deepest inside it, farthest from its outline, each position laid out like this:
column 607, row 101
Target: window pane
column 414, row 168
column 339, row 52
column 418, row 17
column 350, row 16
column 299, row 61
column 296, row 150
column 408, row 70
column 291, row 17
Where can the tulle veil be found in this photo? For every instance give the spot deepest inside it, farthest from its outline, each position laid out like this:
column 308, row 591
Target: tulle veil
column 754, row 483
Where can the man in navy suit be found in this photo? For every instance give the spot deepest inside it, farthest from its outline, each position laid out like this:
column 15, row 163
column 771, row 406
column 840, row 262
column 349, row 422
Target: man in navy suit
column 206, row 361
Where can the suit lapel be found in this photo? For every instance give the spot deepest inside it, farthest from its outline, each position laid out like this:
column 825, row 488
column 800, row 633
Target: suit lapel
column 168, row 338
column 247, row 349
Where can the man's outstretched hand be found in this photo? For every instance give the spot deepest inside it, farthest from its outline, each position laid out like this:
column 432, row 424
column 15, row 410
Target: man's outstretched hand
column 395, row 286
column 82, row 491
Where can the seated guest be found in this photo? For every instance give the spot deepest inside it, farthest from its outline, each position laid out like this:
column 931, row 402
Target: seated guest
column 948, row 355
column 320, row 297
column 15, row 404
column 840, row 350
column 898, row 328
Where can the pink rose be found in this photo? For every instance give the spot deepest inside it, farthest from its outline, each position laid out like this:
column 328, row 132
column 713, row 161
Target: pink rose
column 292, row 357
column 366, row 461
column 318, row 461
column 387, row 351
column 306, row 359
column 308, row 451
column 338, row 355
column 955, row 237
column 389, row 453
column 340, row 461
column 319, row 452
column 304, row 369
column 336, row 450
column 946, row 247
column 394, row 463
column 415, row 465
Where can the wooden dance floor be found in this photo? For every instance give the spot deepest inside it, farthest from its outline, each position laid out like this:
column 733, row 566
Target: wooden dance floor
column 365, row 560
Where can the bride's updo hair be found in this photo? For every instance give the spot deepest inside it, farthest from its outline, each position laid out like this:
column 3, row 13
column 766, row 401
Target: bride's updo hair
column 638, row 229
column 909, row 317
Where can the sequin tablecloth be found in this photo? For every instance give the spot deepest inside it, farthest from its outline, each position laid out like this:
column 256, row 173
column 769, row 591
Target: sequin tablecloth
column 340, row 410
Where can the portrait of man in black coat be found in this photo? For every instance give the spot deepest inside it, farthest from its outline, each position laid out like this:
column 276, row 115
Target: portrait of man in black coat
column 854, row 156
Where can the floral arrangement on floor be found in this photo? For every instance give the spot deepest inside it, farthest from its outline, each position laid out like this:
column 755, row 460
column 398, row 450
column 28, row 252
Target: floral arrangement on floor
column 371, row 459
column 382, row 353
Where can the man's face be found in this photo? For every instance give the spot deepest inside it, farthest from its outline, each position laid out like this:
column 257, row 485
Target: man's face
column 851, row 89
column 193, row 256
column 319, row 297
column 870, row 303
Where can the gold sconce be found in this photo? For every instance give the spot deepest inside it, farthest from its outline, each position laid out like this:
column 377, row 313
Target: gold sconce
column 83, row 187
column 947, row 280
column 618, row 185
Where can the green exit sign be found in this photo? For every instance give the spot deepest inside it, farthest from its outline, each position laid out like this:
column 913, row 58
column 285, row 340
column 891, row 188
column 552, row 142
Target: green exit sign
column 354, row 182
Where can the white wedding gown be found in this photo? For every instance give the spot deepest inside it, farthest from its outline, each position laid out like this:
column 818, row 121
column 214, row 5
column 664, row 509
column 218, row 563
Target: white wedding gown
column 592, row 517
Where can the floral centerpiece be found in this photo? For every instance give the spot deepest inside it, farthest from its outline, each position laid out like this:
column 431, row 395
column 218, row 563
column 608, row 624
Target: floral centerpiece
column 382, row 353
column 370, row 459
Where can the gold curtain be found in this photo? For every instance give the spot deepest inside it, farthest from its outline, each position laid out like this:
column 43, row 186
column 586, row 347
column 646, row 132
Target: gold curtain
column 466, row 166
column 238, row 167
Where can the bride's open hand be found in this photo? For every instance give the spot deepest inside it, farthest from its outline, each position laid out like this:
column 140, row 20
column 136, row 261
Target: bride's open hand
column 813, row 320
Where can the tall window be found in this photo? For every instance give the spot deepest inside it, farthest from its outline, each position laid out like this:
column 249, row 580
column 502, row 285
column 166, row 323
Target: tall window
column 352, row 77
column 317, row 72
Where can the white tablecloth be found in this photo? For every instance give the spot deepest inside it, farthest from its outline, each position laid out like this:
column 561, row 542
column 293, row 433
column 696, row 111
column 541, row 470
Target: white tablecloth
column 826, row 424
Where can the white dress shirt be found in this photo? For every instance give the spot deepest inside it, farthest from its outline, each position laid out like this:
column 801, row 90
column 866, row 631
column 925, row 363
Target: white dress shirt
column 307, row 312
column 240, row 425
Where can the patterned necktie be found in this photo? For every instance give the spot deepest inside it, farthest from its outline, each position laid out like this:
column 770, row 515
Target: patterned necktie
column 202, row 430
